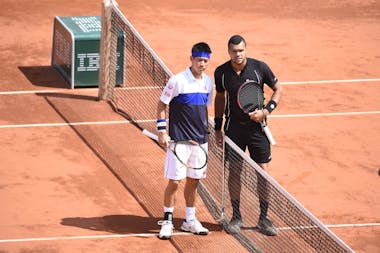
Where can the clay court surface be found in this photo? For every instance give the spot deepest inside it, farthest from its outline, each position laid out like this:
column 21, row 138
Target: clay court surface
column 59, row 193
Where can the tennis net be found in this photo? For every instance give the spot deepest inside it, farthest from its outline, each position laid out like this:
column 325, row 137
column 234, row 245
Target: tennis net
column 298, row 229
column 145, row 75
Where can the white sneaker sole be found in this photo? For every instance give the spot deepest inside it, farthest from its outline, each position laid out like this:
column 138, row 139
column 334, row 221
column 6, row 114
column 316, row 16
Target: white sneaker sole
column 184, row 229
column 165, row 237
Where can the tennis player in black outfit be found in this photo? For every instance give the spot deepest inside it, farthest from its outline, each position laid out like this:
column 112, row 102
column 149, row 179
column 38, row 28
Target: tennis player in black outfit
column 243, row 129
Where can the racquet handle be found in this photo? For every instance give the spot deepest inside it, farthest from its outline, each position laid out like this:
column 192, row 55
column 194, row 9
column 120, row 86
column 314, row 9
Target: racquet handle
column 150, row 135
column 269, row 135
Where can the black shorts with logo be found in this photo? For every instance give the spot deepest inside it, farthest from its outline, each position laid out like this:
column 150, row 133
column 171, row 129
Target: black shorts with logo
column 250, row 135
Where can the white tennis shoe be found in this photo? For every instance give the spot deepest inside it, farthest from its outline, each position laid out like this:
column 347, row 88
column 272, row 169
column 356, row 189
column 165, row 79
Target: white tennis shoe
column 166, row 229
column 195, row 227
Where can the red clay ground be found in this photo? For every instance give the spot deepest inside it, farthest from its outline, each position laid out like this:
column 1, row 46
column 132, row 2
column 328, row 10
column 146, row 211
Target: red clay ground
column 55, row 183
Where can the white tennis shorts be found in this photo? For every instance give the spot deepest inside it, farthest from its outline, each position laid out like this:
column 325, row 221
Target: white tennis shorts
column 175, row 170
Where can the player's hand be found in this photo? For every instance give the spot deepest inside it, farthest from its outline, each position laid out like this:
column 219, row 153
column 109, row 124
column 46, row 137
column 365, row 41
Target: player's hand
column 219, row 138
column 257, row 115
column 163, row 139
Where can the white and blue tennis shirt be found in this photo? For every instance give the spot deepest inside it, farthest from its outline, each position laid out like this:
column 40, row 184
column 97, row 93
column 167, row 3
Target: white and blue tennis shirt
column 188, row 99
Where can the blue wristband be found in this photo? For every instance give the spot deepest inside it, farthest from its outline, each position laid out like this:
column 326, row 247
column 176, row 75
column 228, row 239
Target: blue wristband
column 161, row 125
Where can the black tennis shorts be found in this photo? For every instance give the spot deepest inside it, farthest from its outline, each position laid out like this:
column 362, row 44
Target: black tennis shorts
column 250, row 136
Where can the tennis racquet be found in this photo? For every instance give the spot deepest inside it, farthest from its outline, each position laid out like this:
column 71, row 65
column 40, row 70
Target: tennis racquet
column 190, row 153
column 250, row 98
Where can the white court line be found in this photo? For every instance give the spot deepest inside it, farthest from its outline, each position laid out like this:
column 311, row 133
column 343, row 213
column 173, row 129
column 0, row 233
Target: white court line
column 66, row 124
column 150, row 87
column 353, row 225
column 28, row 92
column 76, row 123
column 61, row 238
column 140, row 88
column 323, row 114
column 153, row 120
column 332, row 226
column 333, row 81
column 66, row 91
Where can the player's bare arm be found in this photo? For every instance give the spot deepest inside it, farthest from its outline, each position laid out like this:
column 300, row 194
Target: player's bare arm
column 219, row 104
column 161, row 114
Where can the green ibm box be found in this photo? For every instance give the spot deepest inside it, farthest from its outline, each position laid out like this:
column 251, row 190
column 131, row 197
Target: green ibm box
column 76, row 50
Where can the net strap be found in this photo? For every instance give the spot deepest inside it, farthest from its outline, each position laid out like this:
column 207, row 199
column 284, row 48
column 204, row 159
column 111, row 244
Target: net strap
column 105, row 49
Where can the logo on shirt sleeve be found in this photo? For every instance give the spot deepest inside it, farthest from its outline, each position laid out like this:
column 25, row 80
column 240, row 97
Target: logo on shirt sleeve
column 168, row 94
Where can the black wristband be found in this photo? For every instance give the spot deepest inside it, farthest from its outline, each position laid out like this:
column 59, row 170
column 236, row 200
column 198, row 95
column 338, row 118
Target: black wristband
column 218, row 123
column 271, row 106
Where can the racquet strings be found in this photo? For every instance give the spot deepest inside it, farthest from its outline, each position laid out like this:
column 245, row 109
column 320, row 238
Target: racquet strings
column 250, row 97
column 190, row 154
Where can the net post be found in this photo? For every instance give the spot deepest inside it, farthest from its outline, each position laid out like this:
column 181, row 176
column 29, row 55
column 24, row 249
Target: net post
column 105, row 50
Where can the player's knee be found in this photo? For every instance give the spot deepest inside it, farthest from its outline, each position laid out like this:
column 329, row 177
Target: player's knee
column 192, row 182
column 173, row 185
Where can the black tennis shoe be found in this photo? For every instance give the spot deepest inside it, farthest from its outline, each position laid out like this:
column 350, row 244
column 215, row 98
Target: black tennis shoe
column 234, row 226
column 266, row 227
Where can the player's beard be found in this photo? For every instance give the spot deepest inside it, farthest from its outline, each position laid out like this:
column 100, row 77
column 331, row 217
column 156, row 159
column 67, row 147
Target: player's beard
column 239, row 61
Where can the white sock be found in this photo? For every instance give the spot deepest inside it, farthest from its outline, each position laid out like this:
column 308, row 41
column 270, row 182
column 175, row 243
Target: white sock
column 168, row 213
column 190, row 213
column 168, row 209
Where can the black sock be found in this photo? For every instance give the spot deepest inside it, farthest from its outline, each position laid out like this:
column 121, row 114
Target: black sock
column 236, row 209
column 168, row 216
column 264, row 205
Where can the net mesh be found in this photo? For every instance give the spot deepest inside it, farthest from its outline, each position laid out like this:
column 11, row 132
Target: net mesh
column 144, row 74
column 229, row 168
column 298, row 229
